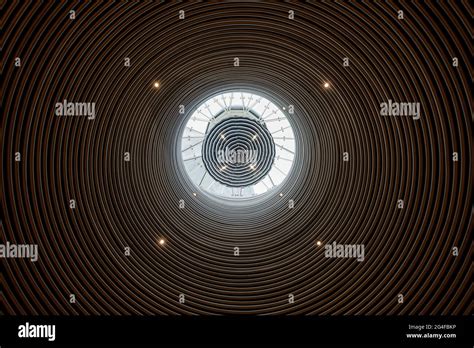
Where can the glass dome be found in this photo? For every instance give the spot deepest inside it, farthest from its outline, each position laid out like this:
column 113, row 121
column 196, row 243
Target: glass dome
column 237, row 145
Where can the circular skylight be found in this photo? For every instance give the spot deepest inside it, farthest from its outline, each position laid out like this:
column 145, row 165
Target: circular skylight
column 237, row 145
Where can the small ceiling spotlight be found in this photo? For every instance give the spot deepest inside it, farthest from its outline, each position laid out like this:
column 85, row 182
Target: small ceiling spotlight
column 222, row 136
column 156, row 84
column 162, row 242
column 326, row 85
column 252, row 166
column 281, row 194
column 254, row 137
column 194, row 194
column 318, row 243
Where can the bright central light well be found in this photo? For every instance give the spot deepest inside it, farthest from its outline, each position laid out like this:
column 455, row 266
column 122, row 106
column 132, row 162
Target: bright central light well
column 237, row 145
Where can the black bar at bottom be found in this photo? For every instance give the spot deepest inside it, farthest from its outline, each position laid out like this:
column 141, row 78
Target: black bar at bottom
column 316, row 330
